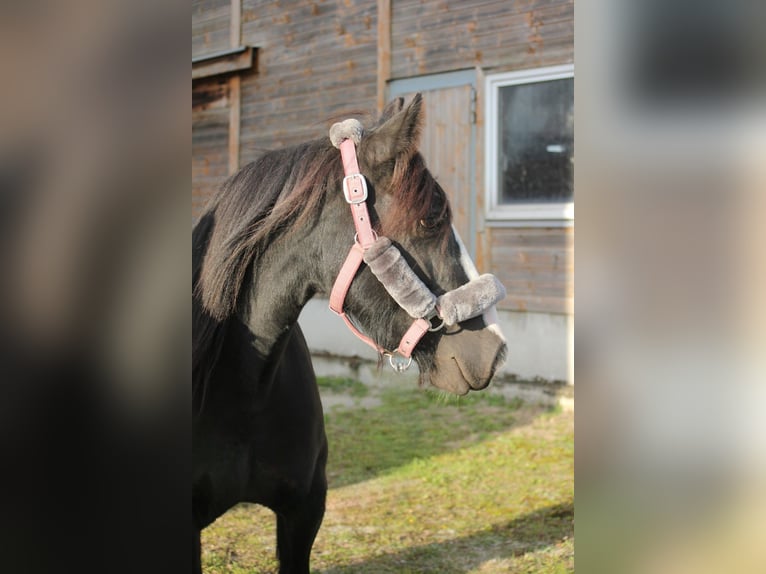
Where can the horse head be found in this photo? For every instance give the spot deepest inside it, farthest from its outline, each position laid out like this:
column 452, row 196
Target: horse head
column 417, row 266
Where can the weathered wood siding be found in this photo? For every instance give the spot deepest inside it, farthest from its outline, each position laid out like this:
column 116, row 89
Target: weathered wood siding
column 315, row 60
column 210, row 132
column 536, row 266
column 431, row 36
column 210, row 101
column 210, row 26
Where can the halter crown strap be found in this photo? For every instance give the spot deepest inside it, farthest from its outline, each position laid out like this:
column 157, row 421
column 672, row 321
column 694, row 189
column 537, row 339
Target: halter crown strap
column 355, row 191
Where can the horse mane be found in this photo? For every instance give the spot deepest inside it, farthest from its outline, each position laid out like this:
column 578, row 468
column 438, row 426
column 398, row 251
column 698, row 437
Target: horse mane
column 207, row 332
column 254, row 207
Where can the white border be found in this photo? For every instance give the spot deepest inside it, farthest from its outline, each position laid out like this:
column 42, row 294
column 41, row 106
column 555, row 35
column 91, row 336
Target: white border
column 563, row 211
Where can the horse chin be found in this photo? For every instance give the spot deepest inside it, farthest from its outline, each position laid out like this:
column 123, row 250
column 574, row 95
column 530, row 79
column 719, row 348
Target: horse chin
column 447, row 377
column 466, row 360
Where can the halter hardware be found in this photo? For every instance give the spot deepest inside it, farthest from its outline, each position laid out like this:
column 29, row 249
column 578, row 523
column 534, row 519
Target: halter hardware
column 435, row 316
column 399, row 362
column 355, row 188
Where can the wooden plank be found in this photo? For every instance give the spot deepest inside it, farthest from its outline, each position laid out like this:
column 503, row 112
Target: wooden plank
column 206, row 95
column 227, row 64
column 537, row 267
column 434, row 36
column 210, row 26
column 235, row 23
column 384, row 50
column 234, row 123
column 235, row 38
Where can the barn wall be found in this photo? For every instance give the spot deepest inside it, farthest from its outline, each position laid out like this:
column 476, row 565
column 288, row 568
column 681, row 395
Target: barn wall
column 210, row 26
column 210, row 102
column 435, row 36
column 315, row 61
column 210, row 129
column 536, row 265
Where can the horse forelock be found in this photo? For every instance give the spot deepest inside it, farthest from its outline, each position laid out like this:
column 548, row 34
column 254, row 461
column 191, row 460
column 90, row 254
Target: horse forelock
column 418, row 198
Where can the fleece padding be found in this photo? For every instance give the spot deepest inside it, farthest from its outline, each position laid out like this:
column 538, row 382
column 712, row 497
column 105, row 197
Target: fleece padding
column 471, row 299
column 350, row 129
column 406, row 288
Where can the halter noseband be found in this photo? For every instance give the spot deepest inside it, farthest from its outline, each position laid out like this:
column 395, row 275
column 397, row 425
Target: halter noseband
column 387, row 264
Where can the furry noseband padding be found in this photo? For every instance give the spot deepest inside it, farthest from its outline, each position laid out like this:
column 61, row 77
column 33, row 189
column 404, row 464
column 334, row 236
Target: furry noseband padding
column 412, row 295
column 350, row 129
column 406, row 288
column 471, row 299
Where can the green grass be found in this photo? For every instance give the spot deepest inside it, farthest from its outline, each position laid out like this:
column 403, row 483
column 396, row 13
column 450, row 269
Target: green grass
column 428, row 484
column 342, row 385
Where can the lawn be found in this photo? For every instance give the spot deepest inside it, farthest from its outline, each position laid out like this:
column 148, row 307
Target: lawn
column 424, row 483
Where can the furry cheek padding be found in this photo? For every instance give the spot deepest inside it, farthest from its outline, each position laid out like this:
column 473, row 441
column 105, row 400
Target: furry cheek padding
column 471, row 299
column 406, row 288
column 387, row 264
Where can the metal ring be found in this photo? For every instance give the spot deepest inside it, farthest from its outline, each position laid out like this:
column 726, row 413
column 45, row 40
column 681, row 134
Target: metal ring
column 438, row 327
column 434, row 314
column 396, row 362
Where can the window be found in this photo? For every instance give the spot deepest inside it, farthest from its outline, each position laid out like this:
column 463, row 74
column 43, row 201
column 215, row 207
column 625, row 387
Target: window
column 530, row 144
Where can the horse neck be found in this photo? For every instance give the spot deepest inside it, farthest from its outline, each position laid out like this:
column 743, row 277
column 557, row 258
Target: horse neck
column 281, row 283
column 295, row 267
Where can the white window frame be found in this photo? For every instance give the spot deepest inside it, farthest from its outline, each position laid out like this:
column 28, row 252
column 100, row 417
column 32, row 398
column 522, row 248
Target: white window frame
column 561, row 212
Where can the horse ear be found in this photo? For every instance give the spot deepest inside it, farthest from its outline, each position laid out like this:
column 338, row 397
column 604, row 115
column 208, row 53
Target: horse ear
column 395, row 137
column 393, row 107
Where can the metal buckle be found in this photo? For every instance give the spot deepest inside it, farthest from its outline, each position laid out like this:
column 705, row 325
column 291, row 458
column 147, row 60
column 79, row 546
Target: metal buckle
column 399, row 362
column 347, row 192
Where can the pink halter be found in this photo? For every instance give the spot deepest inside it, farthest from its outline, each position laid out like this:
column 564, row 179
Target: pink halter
column 355, row 192
column 387, row 264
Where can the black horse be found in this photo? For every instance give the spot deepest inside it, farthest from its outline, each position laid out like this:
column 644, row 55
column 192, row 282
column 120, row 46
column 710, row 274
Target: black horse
column 274, row 236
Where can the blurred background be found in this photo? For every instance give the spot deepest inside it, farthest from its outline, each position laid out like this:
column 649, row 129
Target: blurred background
column 670, row 446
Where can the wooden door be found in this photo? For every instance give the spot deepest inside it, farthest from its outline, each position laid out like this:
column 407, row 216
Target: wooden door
column 447, row 146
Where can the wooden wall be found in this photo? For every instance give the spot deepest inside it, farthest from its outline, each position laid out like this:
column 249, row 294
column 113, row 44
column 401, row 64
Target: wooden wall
column 316, row 60
column 210, row 132
column 210, row 26
column 536, row 265
column 210, row 102
column 434, row 36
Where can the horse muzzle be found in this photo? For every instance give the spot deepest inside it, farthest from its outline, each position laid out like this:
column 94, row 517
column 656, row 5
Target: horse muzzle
column 467, row 356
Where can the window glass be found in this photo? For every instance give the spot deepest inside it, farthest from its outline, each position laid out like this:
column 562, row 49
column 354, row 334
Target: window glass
column 536, row 142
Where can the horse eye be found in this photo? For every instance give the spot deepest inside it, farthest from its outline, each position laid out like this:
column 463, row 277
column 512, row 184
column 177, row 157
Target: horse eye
column 431, row 223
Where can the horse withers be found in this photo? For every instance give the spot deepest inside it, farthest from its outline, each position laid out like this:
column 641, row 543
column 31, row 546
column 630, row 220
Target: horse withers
column 274, row 236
